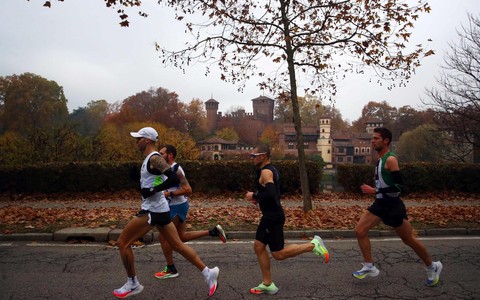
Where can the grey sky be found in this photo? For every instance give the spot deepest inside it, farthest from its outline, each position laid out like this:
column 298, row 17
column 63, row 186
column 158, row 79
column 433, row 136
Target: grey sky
column 79, row 44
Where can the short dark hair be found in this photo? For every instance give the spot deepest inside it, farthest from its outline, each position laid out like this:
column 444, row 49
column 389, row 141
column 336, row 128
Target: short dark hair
column 264, row 148
column 384, row 133
column 170, row 149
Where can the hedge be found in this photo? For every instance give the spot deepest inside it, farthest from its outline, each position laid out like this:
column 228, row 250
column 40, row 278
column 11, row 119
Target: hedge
column 418, row 177
column 208, row 177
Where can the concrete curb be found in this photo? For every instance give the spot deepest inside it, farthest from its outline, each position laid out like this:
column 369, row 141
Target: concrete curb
column 105, row 234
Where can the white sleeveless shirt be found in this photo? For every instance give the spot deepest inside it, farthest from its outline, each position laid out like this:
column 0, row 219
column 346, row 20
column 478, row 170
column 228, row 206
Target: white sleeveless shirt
column 157, row 202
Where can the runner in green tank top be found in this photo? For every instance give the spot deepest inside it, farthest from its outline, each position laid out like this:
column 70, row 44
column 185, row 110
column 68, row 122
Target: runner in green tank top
column 389, row 208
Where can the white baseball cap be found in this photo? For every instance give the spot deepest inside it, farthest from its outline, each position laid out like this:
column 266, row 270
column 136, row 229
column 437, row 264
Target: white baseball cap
column 146, row 132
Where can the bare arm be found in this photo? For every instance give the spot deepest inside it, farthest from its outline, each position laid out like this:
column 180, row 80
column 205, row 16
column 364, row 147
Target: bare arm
column 158, row 163
column 185, row 188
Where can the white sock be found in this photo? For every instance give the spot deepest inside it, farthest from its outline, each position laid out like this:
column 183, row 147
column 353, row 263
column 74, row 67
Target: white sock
column 430, row 267
column 133, row 280
column 368, row 264
column 205, row 272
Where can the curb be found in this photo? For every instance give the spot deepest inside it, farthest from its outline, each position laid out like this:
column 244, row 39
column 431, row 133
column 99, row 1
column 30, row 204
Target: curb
column 105, row 234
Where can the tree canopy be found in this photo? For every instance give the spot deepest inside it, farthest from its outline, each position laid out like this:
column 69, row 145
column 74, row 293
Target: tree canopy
column 457, row 99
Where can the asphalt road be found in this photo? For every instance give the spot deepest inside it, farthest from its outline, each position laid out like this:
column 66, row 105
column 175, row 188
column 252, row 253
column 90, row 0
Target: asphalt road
column 91, row 271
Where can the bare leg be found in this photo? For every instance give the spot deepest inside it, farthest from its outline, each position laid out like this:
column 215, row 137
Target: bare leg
column 193, row 235
column 367, row 221
column 263, row 261
column 134, row 230
column 167, row 250
column 170, row 234
column 405, row 231
column 292, row 250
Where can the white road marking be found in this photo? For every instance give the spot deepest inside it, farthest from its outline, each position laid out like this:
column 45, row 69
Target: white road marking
column 239, row 241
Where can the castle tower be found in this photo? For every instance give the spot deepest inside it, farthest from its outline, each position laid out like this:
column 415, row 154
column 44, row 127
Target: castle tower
column 263, row 108
column 324, row 142
column 211, row 106
column 372, row 123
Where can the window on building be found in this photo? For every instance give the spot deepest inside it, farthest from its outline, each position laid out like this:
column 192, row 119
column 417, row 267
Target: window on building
column 363, row 150
column 339, row 159
column 329, row 142
column 356, row 150
column 368, row 150
column 328, row 151
column 291, row 146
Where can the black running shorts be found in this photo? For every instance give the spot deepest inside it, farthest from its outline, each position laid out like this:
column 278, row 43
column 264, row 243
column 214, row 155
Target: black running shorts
column 156, row 219
column 391, row 211
column 270, row 233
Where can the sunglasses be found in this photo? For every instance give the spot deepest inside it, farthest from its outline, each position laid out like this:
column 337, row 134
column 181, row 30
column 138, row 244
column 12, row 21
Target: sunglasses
column 253, row 155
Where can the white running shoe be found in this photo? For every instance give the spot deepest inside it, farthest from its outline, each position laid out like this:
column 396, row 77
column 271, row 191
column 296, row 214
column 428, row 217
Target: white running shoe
column 366, row 271
column 128, row 290
column 433, row 274
column 212, row 280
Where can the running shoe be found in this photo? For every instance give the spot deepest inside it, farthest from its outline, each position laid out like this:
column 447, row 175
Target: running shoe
column 433, row 274
column 218, row 231
column 128, row 290
column 212, row 280
column 366, row 271
column 166, row 273
column 264, row 289
column 320, row 248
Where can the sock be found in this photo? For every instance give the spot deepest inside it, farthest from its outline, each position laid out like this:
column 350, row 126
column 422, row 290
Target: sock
column 133, row 280
column 213, row 232
column 368, row 264
column 172, row 268
column 205, row 272
column 431, row 267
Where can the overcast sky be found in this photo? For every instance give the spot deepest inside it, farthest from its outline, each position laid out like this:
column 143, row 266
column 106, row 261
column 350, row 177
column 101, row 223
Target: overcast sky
column 79, row 44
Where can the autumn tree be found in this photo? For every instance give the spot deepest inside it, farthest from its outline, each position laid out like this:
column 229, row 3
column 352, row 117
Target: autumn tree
column 228, row 134
column 269, row 136
column 318, row 39
column 195, row 119
column 29, row 103
column 311, row 109
column 423, row 144
column 15, row 149
column 457, row 99
column 88, row 120
column 376, row 110
column 155, row 105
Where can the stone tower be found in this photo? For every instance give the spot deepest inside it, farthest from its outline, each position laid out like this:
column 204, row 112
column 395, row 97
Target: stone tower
column 324, row 142
column 263, row 109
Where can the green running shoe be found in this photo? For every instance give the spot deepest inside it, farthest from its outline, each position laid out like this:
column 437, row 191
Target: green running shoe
column 264, row 289
column 166, row 273
column 320, row 248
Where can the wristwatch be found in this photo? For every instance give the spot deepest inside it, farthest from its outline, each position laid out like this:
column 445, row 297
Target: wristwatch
column 171, row 194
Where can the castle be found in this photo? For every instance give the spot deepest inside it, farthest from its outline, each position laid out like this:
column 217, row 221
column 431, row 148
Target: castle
column 334, row 148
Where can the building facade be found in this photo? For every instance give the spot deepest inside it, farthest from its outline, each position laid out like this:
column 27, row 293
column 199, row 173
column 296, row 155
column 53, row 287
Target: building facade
column 334, row 147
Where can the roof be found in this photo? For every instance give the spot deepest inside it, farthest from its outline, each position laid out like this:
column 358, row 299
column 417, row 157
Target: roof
column 217, row 140
column 262, row 98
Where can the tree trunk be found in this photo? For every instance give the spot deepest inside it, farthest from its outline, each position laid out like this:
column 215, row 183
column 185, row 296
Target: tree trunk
column 307, row 198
